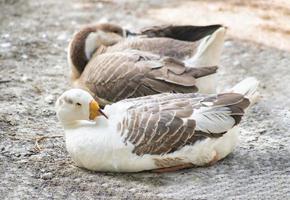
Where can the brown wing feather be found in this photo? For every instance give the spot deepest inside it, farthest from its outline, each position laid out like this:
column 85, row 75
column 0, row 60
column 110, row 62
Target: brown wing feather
column 161, row 124
column 161, row 46
column 175, row 41
column 121, row 75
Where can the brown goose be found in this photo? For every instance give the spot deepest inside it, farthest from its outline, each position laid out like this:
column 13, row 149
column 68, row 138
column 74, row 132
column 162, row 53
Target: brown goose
column 159, row 59
column 164, row 131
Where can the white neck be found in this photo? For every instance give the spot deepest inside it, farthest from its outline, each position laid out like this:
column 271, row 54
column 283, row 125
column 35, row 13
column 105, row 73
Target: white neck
column 70, row 124
column 96, row 39
column 91, row 44
column 99, row 122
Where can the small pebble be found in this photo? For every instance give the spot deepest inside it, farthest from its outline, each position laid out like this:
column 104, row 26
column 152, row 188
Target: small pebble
column 236, row 63
column 37, row 157
column 49, row 99
column 58, row 67
column 47, row 176
column 228, row 44
column 6, row 35
column 17, row 155
column 12, row 122
column 62, row 37
column 244, row 55
column 73, row 22
column 25, row 79
column 24, row 56
column 22, row 38
column 6, row 45
column 100, row 5
column 105, row 185
column 103, row 20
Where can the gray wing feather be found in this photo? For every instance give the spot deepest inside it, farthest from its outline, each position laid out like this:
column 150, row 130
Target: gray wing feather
column 164, row 123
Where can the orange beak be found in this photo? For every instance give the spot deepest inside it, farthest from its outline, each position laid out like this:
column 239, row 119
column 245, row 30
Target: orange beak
column 95, row 110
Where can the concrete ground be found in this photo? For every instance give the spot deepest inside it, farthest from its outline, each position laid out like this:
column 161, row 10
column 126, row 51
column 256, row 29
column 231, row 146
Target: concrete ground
column 33, row 73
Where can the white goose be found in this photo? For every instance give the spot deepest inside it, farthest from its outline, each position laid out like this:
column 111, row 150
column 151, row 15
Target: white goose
column 165, row 132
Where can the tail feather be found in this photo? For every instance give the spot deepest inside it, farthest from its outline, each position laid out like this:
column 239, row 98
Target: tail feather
column 209, row 50
column 208, row 54
column 247, row 87
column 184, row 33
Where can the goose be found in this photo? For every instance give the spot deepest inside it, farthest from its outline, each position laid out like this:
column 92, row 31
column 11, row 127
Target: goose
column 161, row 133
column 180, row 59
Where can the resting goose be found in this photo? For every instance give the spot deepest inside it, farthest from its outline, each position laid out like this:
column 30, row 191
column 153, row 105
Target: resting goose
column 163, row 132
column 159, row 59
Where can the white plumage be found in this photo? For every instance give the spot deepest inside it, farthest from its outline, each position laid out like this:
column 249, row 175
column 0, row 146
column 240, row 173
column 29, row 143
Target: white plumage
column 121, row 143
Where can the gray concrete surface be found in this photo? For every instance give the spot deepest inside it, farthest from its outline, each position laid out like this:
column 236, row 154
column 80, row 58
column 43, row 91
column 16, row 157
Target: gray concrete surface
column 33, row 72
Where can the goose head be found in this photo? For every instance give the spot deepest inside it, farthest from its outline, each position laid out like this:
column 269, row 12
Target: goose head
column 85, row 42
column 76, row 104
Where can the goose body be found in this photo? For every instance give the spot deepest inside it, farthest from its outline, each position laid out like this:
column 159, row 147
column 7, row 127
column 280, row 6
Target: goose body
column 98, row 53
column 133, row 73
column 153, row 132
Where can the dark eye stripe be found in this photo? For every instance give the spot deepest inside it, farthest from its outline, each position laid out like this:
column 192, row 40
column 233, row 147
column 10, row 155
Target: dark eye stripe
column 78, row 104
column 68, row 100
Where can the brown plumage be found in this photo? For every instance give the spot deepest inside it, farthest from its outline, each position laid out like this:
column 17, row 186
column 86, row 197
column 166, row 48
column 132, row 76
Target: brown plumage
column 161, row 46
column 149, row 62
column 133, row 74
column 164, row 123
column 76, row 54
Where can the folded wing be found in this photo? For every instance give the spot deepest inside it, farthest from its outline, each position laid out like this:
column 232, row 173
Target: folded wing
column 164, row 123
column 131, row 73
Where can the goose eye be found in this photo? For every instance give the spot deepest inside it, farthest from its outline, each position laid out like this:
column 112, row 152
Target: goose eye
column 78, row 104
column 116, row 31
